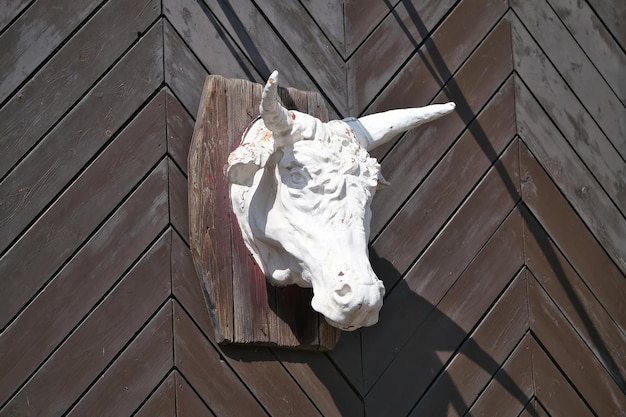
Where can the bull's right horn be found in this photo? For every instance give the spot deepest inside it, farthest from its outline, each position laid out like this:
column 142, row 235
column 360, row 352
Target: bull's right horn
column 375, row 129
column 274, row 115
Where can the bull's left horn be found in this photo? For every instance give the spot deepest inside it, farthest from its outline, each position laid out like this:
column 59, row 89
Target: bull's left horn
column 375, row 129
column 274, row 115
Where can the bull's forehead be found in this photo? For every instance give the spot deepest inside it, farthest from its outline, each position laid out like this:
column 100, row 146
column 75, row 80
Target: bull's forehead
column 322, row 156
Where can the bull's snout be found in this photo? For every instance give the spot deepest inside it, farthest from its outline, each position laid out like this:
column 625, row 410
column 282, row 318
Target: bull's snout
column 351, row 304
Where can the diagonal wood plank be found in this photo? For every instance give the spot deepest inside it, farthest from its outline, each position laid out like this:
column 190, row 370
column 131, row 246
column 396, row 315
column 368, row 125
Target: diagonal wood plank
column 511, row 387
column 98, row 339
column 574, row 180
column 552, row 389
column 74, row 291
column 481, row 355
column 572, row 355
column 69, row 146
column 438, row 335
column 37, row 105
column 35, row 34
column 188, row 403
column 573, row 239
column 162, row 402
column 122, row 388
column 82, row 207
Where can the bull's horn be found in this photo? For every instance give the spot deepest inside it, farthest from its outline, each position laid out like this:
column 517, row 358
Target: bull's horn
column 375, row 129
column 274, row 115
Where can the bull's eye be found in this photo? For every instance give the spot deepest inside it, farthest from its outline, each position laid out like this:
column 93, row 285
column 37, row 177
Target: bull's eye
column 298, row 177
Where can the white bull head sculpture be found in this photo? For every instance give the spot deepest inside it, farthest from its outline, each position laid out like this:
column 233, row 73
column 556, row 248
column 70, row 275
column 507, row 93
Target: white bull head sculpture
column 301, row 190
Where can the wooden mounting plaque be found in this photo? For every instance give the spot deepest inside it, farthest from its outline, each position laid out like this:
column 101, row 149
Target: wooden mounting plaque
column 244, row 307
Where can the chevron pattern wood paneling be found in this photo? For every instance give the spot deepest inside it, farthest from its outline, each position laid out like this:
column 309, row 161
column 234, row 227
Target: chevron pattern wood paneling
column 501, row 240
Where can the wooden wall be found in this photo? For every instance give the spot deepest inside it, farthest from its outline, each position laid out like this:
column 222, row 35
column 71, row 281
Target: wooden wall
column 501, row 241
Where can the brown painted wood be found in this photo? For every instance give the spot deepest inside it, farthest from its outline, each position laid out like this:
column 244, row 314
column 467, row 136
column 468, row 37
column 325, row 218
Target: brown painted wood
column 534, row 409
column 179, row 131
column 37, row 106
column 576, row 183
column 11, row 9
column 596, row 41
column 183, row 72
column 83, row 281
column 574, row 122
column 78, row 137
column 245, row 308
column 574, row 240
column 436, row 336
column 121, row 389
column 187, row 401
column 612, row 13
column 36, row 33
column 465, row 27
column 573, row 356
column 162, row 402
column 207, row 41
column 577, row 70
column 449, row 183
column 207, row 371
column 98, row 339
column 512, row 386
column 82, row 207
column 573, row 298
column 179, row 210
column 552, row 389
column 361, row 18
column 480, row 357
column 419, row 149
column 440, row 266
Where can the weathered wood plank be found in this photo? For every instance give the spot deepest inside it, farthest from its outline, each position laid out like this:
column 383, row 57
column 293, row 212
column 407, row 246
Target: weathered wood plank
column 386, row 51
column 481, row 355
column 534, row 409
column 322, row 382
column 573, row 238
column 310, row 47
column 596, row 41
column 440, row 265
column 162, row 402
column 613, row 14
column 122, row 388
column 10, row 10
column 269, row 382
column 35, row 34
column 187, row 401
column 329, row 15
column 184, row 74
column 206, row 38
column 97, row 340
column 440, row 328
column 73, row 292
column 593, row 121
column 208, row 372
column 573, row 298
column 262, row 45
column 81, row 208
column 573, row 356
column 552, row 389
column 417, row 152
column 179, row 130
column 179, row 209
column 77, row 138
column 512, row 386
column 361, row 18
column 574, row 180
column 78, row 64
column 450, row 181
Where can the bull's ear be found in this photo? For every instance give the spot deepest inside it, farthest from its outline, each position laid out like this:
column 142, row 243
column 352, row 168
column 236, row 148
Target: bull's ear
column 244, row 162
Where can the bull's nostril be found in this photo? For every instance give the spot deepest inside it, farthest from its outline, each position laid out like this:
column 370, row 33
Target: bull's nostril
column 343, row 290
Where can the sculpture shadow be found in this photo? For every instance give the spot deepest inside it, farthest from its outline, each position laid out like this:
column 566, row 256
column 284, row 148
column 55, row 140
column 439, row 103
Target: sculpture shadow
column 440, row 71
